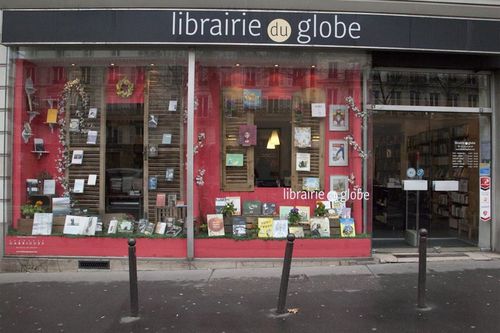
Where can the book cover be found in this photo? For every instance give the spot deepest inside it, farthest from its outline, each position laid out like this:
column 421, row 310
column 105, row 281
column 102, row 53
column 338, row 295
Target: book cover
column 74, row 125
column 234, row 160
column 310, row 184
column 171, row 199
column 172, row 105
column 347, row 228
column 215, row 224
column 320, row 227
column 297, row 231
column 303, row 162
column 38, row 144
column 284, row 211
column 302, row 137
column 91, row 137
column 239, row 226
column 89, row 226
column 169, row 174
column 265, row 225
column 166, row 139
column 247, row 135
column 252, row 98
column 49, row 186
column 173, row 230
column 79, row 186
column 280, row 228
column 252, row 207
column 92, row 180
column 77, row 157
column 113, row 226
column 73, row 225
column 305, row 213
column 152, row 182
column 42, row 224
column 52, row 116
column 61, row 206
column 161, row 199
column 142, row 225
column 93, row 113
column 219, row 204
column 125, row 226
column 160, row 228
column 149, row 228
column 318, row 110
column 268, row 208
column 153, row 150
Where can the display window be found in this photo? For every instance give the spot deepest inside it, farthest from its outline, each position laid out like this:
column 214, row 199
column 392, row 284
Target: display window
column 100, row 138
column 281, row 130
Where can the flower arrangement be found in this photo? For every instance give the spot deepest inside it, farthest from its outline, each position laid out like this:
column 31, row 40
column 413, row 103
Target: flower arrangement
column 320, row 209
column 294, row 216
column 28, row 210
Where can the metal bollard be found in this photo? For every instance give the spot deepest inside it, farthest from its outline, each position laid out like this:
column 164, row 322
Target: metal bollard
column 132, row 270
column 285, row 275
column 422, row 268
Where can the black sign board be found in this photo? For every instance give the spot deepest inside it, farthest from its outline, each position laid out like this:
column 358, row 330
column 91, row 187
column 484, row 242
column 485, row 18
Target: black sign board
column 235, row 27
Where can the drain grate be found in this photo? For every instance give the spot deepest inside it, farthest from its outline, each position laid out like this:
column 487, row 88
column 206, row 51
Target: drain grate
column 93, row 264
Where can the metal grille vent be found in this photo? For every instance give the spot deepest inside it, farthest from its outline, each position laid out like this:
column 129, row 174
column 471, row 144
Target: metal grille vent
column 93, row 264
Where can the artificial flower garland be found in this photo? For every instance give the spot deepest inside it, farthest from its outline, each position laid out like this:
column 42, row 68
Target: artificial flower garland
column 63, row 160
column 350, row 140
column 124, row 88
column 357, row 112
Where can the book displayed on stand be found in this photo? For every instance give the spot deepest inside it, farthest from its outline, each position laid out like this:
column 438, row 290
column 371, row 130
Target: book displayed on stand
column 79, row 186
column 38, row 145
column 61, row 206
column 92, row 180
column 160, row 228
column 74, row 125
column 252, row 207
column 320, row 227
column 149, row 228
column 91, row 137
column 280, row 228
column 268, row 208
column 166, row 139
column 161, row 199
column 42, row 224
column 93, row 113
column 265, row 225
column 239, row 226
column 219, row 205
column 347, row 228
column 142, row 225
column 215, row 224
column 77, row 157
column 236, row 201
column 51, row 116
column 49, row 186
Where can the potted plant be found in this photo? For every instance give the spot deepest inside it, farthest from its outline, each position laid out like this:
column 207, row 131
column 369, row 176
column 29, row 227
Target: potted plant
column 228, row 210
column 294, row 218
column 320, row 210
column 28, row 210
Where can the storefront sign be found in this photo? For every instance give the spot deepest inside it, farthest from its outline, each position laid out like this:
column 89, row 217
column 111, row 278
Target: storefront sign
column 485, row 198
column 250, row 27
column 465, row 155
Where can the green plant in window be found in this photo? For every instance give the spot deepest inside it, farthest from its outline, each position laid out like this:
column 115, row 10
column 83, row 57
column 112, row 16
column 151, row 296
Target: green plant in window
column 228, row 210
column 294, row 217
column 320, row 209
column 28, row 210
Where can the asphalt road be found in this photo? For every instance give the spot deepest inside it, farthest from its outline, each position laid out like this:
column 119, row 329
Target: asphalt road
column 463, row 296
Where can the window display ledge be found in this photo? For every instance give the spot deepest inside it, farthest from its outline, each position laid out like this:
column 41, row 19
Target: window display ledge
column 176, row 247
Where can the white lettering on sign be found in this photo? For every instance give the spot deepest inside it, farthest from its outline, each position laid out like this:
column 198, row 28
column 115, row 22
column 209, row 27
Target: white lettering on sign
column 278, row 30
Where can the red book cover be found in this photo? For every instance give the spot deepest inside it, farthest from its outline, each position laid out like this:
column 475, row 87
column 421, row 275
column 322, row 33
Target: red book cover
column 160, row 199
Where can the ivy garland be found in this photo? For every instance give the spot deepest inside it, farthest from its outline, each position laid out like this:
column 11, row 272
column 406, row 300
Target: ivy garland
column 124, row 88
column 72, row 89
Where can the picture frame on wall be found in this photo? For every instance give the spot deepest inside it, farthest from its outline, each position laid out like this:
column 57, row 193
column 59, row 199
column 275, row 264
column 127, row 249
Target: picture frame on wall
column 338, row 153
column 338, row 118
column 303, row 162
column 339, row 183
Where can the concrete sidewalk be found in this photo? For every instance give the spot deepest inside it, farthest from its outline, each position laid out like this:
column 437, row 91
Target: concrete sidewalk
column 462, row 296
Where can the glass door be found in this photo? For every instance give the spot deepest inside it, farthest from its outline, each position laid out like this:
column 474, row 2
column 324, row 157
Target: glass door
column 437, row 155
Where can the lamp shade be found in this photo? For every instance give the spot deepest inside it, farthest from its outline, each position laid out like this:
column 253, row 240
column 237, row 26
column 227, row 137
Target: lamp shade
column 274, row 139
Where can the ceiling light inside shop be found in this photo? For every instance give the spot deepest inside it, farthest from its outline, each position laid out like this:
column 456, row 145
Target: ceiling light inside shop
column 274, row 140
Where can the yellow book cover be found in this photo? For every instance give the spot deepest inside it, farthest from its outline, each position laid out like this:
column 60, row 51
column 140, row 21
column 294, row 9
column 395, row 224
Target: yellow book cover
column 265, row 227
column 51, row 116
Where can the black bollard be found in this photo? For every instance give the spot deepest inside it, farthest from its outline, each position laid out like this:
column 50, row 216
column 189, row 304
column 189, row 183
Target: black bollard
column 422, row 268
column 285, row 275
column 132, row 271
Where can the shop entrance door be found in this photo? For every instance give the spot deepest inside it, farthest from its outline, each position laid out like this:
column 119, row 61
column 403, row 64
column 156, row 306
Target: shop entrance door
column 438, row 152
